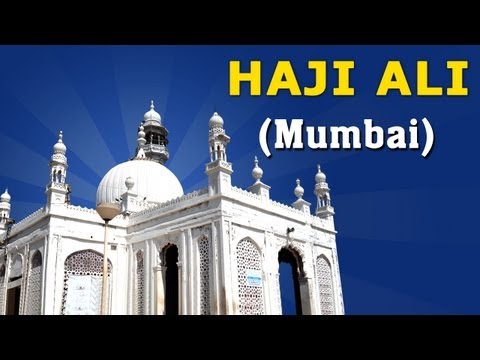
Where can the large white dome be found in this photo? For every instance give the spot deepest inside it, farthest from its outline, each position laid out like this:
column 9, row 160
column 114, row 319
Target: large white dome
column 152, row 181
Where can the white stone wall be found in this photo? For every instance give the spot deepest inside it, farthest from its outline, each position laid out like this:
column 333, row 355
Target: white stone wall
column 202, row 228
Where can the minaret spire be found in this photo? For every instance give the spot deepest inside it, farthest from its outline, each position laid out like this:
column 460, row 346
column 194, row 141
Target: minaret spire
column 155, row 137
column 58, row 190
column 218, row 169
column 322, row 191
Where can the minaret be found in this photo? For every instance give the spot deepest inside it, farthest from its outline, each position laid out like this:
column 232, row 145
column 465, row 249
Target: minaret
column 155, row 135
column 259, row 187
column 219, row 171
column 58, row 190
column 322, row 191
column 5, row 208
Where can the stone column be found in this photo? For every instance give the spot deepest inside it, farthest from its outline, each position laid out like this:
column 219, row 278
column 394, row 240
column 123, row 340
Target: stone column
column 159, row 278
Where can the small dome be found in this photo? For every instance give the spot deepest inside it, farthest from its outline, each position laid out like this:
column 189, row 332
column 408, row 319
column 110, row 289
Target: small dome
column 257, row 172
column 152, row 115
column 299, row 191
column 216, row 120
column 60, row 147
column 5, row 197
column 153, row 182
column 320, row 177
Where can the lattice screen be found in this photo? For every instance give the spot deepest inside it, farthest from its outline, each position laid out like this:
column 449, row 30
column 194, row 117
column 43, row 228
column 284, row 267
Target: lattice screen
column 140, row 287
column 250, row 292
column 325, row 286
column 84, row 269
column 2, row 290
column 204, row 251
column 34, row 292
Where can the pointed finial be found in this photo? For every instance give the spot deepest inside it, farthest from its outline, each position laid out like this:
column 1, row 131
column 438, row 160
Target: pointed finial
column 151, row 105
column 299, row 191
column 59, row 147
column 129, row 182
column 320, row 176
column 5, row 197
column 257, row 172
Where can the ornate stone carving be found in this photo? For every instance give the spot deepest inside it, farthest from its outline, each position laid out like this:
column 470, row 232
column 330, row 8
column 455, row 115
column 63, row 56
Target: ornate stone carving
column 85, row 263
column 139, row 284
column 325, row 285
column 204, row 274
column 250, row 296
column 34, row 292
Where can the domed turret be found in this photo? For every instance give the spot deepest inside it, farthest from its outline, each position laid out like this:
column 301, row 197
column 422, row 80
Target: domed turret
column 152, row 115
column 5, row 197
column 320, row 176
column 59, row 147
column 216, row 120
column 152, row 137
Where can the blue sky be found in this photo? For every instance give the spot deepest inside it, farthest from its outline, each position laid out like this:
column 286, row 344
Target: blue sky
column 407, row 240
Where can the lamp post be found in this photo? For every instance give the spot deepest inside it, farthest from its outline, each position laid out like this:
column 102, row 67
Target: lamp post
column 107, row 212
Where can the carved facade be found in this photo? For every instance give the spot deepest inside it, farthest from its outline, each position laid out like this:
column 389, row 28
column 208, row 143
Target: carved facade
column 217, row 248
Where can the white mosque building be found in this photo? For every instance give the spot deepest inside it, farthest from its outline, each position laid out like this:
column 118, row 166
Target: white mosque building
column 213, row 251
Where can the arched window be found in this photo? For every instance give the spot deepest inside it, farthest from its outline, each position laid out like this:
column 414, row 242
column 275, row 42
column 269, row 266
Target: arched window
column 82, row 290
column 170, row 259
column 204, row 275
column 290, row 270
column 250, row 282
column 2, row 288
column 139, row 285
column 325, row 285
column 34, row 289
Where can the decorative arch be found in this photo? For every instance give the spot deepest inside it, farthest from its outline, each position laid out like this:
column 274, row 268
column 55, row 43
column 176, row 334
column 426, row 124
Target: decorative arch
column 34, row 287
column 204, row 274
column 16, row 269
column 250, row 279
column 291, row 274
column 82, row 291
column 298, row 255
column 140, row 283
column 325, row 285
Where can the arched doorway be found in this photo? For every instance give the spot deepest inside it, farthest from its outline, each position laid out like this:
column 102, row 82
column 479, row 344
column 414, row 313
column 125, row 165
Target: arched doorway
column 14, row 287
column 170, row 256
column 290, row 270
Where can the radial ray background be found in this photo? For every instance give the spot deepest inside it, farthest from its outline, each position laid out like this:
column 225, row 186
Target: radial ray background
column 407, row 236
